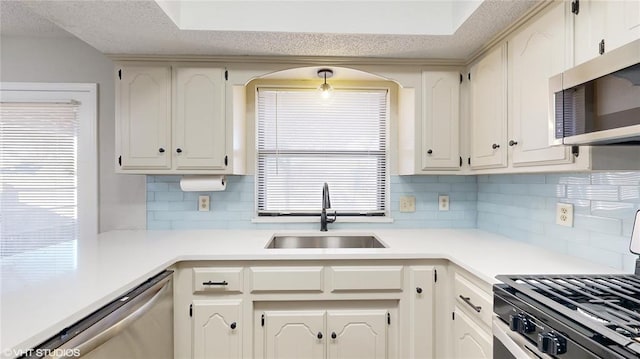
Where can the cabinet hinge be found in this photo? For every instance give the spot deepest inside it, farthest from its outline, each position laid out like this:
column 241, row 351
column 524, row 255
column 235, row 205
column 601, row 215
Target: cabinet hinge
column 453, row 315
column 120, row 161
column 601, row 47
column 262, row 320
column 226, row 160
column 191, row 310
column 469, row 161
column 575, row 150
column 575, row 7
column 469, row 76
column 460, row 161
column 120, row 74
column 435, row 275
column 226, row 75
column 461, row 77
column 388, row 318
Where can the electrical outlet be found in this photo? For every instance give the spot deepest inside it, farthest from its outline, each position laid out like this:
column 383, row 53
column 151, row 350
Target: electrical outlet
column 564, row 214
column 407, row 204
column 443, row 202
column 203, row 203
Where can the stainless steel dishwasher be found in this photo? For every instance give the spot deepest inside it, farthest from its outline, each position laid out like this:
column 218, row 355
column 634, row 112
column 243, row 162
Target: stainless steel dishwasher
column 138, row 324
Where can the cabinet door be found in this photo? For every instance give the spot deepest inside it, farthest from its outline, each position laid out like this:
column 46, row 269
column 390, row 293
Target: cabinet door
column 143, row 115
column 355, row 334
column 217, row 329
column 199, row 120
column 440, row 122
column 489, row 110
column 616, row 22
column 535, row 55
column 294, row 334
column 470, row 341
column 421, row 282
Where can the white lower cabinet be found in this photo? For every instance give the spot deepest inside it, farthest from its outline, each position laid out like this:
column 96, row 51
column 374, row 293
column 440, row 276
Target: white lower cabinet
column 217, row 329
column 294, row 334
column 357, row 334
column 291, row 309
column 319, row 334
column 470, row 340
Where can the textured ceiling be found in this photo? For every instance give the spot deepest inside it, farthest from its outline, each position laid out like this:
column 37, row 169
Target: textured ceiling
column 18, row 20
column 142, row 28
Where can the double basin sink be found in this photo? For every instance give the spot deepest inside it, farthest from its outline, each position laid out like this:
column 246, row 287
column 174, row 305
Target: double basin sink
column 324, row 241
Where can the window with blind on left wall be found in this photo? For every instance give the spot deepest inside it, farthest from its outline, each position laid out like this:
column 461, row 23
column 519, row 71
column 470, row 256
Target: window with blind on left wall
column 48, row 151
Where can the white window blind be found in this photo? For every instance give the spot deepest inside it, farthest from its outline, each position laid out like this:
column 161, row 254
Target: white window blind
column 304, row 141
column 38, row 175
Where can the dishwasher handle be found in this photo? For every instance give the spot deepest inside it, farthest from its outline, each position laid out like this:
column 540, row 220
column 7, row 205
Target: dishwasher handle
column 114, row 323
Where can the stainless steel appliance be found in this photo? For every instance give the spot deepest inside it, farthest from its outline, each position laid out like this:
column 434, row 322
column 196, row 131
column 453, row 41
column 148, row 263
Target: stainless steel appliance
column 568, row 316
column 598, row 102
column 138, row 324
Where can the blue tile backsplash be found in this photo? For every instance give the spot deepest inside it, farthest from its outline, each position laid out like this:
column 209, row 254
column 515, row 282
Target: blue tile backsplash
column 170, row 208
column 520, row 206
column 523, row 207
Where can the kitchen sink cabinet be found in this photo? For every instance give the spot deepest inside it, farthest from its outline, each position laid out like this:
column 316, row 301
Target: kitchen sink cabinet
column 431, row 143
column 217, row 329
column 333, row 334
column 488, row 110
column 287, row 309
column 614, row 22
column 171, row 119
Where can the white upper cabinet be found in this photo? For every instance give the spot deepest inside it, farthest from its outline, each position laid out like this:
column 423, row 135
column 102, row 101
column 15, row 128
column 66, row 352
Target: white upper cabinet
column 535, row 54
column 488, row 112
column 440, row 120
column 199, row 126
column 172, row 120
column 143, row 111
column 429, row 132
column 616, row 22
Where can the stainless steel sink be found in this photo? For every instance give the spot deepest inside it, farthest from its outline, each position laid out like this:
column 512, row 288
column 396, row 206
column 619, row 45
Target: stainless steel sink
column 288, row 241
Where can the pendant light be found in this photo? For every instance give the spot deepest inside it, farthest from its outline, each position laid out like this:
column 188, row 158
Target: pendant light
column 325, row 89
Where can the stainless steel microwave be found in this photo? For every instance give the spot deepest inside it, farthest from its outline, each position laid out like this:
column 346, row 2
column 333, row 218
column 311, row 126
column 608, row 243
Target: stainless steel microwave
column 598, row 102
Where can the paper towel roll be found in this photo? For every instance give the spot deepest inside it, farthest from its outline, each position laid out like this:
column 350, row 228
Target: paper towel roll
column 203, row 183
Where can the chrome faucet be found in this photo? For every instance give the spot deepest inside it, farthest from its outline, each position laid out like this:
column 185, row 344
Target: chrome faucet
column 326, row 204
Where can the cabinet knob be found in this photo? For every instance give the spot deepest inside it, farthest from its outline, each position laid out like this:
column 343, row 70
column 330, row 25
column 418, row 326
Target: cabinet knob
column 179, row 150
column 429, row 152
column 495, row 145
column 233, row 325
column 333, row 335
column 513, row 143
column 319, row 335
column 161, row 150
column 418, row 290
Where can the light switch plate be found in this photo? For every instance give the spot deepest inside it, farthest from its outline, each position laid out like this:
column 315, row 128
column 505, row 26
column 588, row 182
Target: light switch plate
column 203, row 203
column 407, row 204
column 443, row 202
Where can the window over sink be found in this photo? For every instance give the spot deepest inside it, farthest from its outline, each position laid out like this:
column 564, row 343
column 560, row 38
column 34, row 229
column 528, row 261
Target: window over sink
column 304, row 140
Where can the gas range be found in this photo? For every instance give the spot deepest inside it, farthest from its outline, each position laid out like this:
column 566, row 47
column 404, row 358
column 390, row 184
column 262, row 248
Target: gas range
column 572, row 316
column 569, row 316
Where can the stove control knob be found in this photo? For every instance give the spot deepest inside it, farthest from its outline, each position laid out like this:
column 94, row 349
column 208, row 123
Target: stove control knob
column 551, row 343
column 521, row 323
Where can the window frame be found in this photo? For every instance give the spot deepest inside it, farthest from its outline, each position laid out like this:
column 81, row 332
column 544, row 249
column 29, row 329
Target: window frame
column 86, row 95
column 385, row 217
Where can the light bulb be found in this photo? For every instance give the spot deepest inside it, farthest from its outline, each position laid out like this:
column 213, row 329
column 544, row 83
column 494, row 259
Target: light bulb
column 325, row 90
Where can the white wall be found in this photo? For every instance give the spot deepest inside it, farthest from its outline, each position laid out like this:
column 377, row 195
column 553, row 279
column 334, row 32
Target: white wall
column 122, row 197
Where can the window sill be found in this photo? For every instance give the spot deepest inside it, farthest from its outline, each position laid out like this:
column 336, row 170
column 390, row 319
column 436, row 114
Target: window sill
column 316, row 219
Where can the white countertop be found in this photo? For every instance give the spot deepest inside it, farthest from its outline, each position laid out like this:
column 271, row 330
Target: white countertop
column 43, row 292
